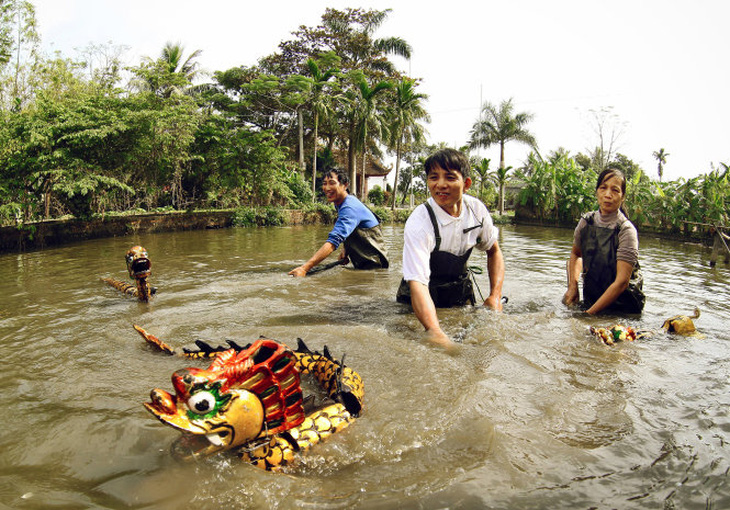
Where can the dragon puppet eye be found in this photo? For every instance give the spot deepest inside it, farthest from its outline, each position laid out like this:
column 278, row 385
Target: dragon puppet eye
column 202, row 402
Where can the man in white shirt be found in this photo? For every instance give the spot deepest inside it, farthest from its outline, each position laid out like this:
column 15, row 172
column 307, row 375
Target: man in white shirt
column 438, row 239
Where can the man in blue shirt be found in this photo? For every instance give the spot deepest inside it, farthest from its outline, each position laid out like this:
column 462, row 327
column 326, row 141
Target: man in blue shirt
column 356, row 227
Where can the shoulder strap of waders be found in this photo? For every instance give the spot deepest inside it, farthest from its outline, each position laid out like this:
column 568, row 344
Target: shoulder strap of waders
column 432, row 215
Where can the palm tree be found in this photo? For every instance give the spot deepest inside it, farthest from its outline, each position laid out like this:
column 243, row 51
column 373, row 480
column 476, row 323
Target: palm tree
column 404, row 127
column 319, row 106
column 170, row 74
column 368, row 115
column 501, row 125
column 482, row 170
column 661, row 158
column 499, row 178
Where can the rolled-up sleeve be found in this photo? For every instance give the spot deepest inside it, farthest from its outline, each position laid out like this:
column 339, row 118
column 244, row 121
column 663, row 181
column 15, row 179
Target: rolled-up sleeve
column 344, row 226
column 418, row 244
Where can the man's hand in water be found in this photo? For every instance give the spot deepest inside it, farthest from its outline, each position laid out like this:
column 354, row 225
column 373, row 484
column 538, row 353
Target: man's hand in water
column 298, row 271
column 439, row 339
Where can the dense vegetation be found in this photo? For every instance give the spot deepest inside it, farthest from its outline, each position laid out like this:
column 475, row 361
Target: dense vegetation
column 92, row 135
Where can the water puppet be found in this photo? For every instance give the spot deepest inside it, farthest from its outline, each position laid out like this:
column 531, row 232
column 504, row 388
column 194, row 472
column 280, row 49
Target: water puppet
column 139, row 268
column 249, row 401
column 679, row 324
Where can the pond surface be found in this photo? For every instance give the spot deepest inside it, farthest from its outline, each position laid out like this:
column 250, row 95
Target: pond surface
column 532, row 413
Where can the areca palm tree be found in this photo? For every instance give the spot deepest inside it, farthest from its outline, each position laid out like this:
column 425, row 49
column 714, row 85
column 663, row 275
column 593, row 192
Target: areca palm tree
column 482, row 170
column 368, row 115
column 661, row 157
column 501, row 125
column 499, row 178
column 319, row 106
column 405, row 114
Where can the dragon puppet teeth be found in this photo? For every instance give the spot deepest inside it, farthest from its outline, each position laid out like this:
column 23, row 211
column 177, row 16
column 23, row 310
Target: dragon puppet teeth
column 214, row 439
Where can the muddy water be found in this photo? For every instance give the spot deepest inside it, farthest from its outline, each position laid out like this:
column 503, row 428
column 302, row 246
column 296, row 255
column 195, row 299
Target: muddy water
column 532, row 413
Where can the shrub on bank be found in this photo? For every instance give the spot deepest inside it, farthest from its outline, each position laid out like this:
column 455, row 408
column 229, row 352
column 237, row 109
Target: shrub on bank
column 258, row 217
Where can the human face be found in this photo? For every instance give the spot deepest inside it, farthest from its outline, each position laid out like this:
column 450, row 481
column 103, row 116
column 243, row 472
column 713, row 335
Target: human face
column 333, row 190
column 447, row 188
column 609, row 195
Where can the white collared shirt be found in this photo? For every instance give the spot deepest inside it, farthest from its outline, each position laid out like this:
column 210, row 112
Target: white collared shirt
column 420, row 239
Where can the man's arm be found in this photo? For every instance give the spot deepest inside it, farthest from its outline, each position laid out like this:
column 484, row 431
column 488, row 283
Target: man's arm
column 425, row 312
column 495, row 268
column 321, row 254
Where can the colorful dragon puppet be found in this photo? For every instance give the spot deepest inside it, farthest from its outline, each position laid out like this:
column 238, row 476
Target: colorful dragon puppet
column 249, row 400
column 139, row 268
column 679, row 324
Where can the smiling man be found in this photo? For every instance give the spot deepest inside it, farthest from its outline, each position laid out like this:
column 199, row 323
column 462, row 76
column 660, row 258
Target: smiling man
column 438, row 239
column 356, row 227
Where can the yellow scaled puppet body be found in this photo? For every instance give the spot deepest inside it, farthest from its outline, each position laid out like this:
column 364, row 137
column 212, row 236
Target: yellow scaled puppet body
column 249, row 400
column 139, row 268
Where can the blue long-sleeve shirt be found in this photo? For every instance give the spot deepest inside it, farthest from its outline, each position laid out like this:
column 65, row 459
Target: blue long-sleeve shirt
column 351, row 214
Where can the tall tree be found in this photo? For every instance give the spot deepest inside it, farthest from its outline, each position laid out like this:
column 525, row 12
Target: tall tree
column 319, row 104
column 661, row 157
column 350, row 34
column 608, row 129
column 500, row 125
column 19, row 44
column 369, row 114
column 499, row 178
column 405, row 115
column 481, row 169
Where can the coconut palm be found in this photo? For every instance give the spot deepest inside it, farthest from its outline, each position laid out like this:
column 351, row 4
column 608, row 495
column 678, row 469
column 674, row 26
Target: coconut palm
column 499, row 126
column 169, row 74
column 404, row 126
column 661, row 157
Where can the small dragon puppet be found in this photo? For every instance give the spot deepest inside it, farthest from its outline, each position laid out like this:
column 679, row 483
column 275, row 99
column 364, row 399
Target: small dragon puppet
column 249, row 401
column 139, row 268
column 679, row 324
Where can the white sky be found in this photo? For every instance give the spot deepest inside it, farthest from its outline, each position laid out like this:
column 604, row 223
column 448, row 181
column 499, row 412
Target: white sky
column 662, row 65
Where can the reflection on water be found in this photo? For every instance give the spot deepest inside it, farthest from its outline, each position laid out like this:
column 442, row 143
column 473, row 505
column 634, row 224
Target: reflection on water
column 531, row 414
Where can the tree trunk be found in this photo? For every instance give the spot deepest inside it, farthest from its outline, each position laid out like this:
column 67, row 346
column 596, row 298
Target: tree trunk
column 314, row 156
column 352, row 170
column 364, row 163
column 397, row 169
column 301, row 140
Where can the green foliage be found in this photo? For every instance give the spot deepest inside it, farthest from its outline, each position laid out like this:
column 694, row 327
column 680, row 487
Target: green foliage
column 557, row 191
column 77, row 192
column 376, row 196
column 317, row 212
column 259, row 217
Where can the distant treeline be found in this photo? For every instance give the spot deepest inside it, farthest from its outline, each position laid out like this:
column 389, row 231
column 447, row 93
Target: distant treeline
column 91, row 135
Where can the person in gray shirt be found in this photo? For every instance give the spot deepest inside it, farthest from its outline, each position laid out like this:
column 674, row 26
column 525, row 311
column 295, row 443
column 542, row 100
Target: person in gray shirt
column 606, row 254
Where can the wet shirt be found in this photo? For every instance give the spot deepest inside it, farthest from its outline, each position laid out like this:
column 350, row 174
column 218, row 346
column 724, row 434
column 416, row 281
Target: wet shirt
column 628, row 239
column 420, row 240
column 351, row 214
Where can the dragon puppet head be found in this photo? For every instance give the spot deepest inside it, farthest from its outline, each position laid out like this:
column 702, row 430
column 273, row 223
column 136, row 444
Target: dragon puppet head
column 138, row 263
column 240, row 397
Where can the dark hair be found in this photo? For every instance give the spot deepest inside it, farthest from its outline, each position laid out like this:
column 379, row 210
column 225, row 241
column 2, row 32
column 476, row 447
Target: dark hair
column 449, row 159
column 612, row 172
column 341, row 175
